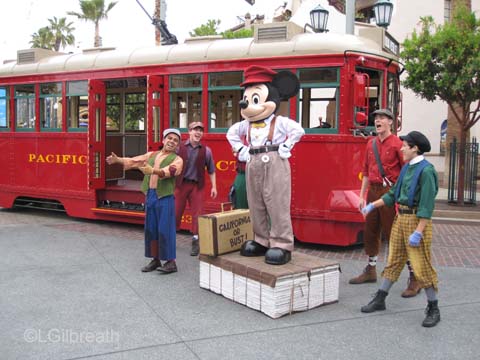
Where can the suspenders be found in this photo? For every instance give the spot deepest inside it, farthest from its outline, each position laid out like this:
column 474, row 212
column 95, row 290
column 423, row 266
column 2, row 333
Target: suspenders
column 270, row 131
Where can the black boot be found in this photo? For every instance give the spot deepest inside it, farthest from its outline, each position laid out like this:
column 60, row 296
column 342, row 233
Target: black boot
column 433, row 314
column 378, row 302
column 195, row 248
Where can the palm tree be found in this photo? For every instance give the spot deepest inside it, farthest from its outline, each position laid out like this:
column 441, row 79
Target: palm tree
column 94, row 11
column 62, row 32
column 44, row 39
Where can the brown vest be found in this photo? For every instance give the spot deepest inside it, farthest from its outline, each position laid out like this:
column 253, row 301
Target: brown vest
column 200, row 165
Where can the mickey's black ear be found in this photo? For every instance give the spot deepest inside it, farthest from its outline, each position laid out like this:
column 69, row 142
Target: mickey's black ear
column 287, row 84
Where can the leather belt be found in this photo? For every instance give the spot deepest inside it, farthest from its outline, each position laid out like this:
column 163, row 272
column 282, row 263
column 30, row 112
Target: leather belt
column 405, row 211
column 263, row 149
column 376, row 185
column 190, row 180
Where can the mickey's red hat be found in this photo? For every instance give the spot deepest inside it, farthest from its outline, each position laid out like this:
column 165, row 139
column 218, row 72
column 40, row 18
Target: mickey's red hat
column 257, row 74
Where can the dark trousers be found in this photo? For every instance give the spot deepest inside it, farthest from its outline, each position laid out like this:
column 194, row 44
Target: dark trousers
column 379, row 221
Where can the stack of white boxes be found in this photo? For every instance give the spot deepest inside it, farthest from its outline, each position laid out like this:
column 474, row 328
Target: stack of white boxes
column 304, row 283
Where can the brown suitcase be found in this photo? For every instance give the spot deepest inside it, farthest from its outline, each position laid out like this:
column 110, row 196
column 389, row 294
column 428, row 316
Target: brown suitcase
column 224, row 232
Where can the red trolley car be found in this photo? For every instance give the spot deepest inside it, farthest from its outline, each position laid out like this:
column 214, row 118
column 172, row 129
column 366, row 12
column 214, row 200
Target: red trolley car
column 62, row 114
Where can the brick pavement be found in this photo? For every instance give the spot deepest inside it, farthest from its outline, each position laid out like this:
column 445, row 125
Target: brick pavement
column 456, row 244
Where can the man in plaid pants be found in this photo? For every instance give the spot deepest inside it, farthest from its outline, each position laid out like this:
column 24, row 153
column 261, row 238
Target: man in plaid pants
column 411, row 236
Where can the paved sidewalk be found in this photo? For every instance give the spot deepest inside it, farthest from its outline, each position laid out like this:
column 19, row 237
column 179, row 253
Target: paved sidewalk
column 72, row 289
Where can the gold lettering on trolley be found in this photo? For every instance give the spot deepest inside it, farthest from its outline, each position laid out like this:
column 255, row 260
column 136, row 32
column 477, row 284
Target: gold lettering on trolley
column 58, row 159
column 187, row 219
column 226, row 165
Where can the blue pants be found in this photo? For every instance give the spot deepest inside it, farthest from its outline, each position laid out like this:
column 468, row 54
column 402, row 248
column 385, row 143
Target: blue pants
column 160, row 231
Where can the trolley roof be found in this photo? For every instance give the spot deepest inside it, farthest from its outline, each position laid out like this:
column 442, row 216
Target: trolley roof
column 201, row 51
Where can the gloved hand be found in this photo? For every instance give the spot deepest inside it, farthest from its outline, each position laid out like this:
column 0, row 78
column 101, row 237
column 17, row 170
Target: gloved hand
column 415, row 238
column 368, row 208
column 243, row 153
column 146, row 169
column 284, row 150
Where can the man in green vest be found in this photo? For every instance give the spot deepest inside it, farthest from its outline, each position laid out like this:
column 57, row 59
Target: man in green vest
column 160, row 168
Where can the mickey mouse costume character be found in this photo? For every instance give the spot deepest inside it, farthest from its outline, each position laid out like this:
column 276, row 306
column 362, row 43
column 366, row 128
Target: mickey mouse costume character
column 269, row 141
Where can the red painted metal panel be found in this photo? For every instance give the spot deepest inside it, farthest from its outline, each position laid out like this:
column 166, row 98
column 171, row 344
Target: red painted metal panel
column 96, row 133
column 154, row 111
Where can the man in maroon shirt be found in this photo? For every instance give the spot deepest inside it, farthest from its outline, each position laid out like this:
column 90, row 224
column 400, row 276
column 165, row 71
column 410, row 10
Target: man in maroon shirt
column 380, row 220
column 190, row 184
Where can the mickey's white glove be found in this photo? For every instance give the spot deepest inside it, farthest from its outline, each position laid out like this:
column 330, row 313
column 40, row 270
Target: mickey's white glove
column 284, row 150
column 243, row 154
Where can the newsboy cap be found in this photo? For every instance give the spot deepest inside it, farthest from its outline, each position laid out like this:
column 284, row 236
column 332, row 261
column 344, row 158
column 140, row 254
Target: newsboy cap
column 171, row 131
column 256, row 74
column 418, row 139
column 195, row 124
column 385, row 112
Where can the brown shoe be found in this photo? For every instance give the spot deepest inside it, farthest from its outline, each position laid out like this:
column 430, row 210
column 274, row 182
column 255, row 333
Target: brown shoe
column 152, row 265
column 369, row 275
column 169, row 267
column 413, row 287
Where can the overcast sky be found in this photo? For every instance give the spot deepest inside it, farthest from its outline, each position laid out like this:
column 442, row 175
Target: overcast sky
column 128, row 26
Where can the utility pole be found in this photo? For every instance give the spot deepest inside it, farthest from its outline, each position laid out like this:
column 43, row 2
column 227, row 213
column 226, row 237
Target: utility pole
column 167, row 37
column 159, row 14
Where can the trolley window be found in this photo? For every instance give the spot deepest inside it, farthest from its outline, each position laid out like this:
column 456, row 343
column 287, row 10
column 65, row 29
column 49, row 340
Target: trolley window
column 185, row 99
column 114, row 110
column 77, row 105
column 319, row 99
column 135, row 110
column 374, row 92
column 393, row 95
column 4, row 111
column 51, row 107
column 224, row 94
column 25, row 107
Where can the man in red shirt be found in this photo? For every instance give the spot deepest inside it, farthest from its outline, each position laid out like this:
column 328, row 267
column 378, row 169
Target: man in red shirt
column 380, row 220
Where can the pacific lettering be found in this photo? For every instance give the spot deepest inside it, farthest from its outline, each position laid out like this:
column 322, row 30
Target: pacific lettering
column 57, row 159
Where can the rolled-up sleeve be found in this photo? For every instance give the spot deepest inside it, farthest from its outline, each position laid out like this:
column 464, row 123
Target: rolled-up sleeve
column 209, row 161
column 177, row 163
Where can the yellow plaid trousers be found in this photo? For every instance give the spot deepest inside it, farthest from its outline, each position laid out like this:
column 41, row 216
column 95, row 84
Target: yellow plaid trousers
column 399, row 251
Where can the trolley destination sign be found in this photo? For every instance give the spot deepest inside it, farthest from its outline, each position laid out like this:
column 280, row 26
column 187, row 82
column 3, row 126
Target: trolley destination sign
column 390, row 44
